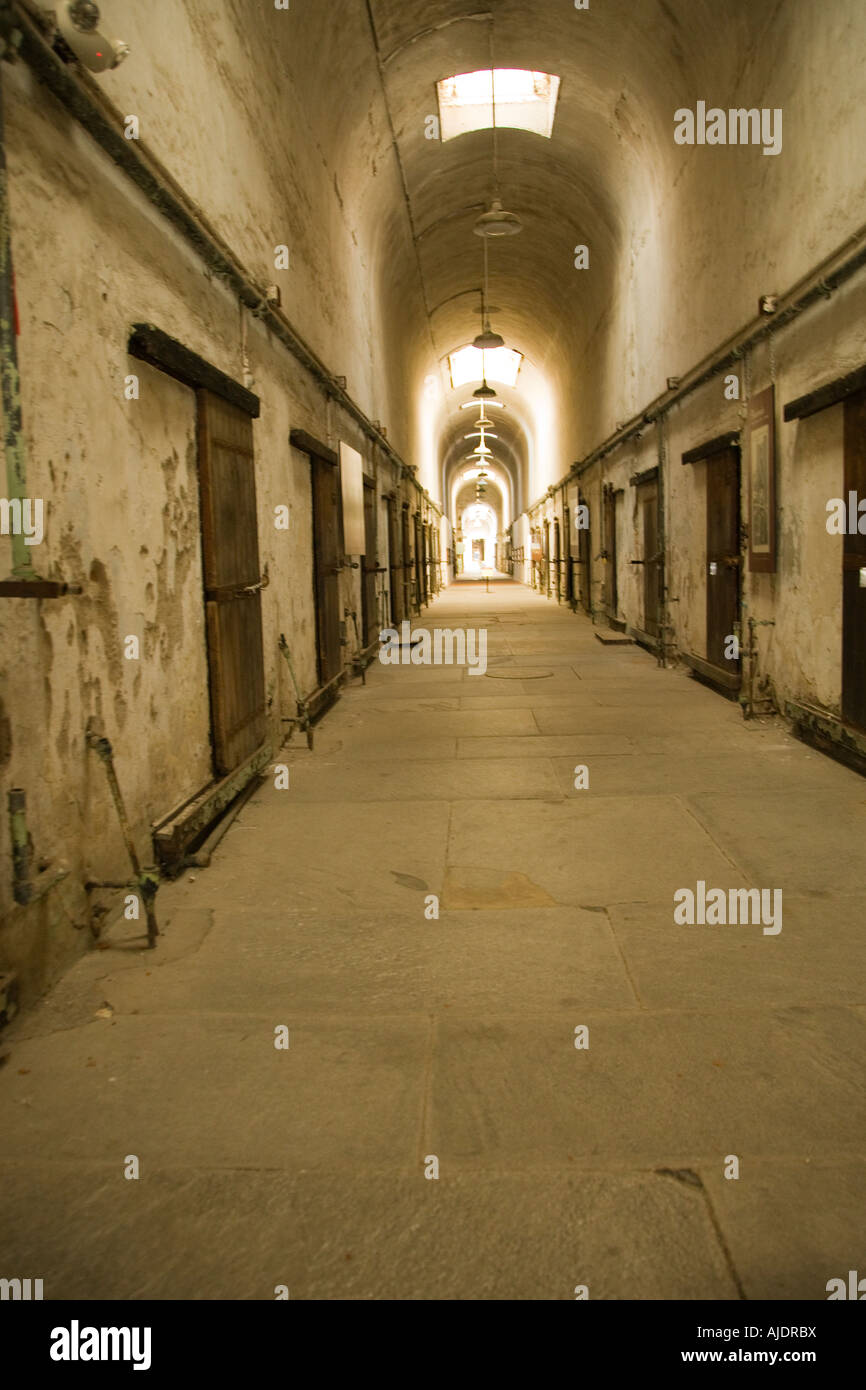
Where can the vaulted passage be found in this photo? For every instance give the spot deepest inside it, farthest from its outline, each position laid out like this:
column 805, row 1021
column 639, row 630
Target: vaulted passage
column 432, row 657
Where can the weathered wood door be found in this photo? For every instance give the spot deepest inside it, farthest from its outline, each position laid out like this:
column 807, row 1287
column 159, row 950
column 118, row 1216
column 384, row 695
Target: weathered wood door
column 419, row 560
column 545, row 551
column 569, row 568
column 425, row 561
column 723, row 556
column 611, row 596
column 648, row 502
column 584, row 551
column 233, row 604
column 328, row 564
column 854, row 571
column 395, row 562
column 407, row 562
column 369, row 566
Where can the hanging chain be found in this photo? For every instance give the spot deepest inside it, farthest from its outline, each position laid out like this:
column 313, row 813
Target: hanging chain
column 493, row 108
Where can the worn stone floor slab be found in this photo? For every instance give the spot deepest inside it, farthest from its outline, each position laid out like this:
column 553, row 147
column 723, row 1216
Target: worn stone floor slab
column 541, row 746
column 818, row 956
column 107, row 1090
column 792, row 1227
column 808, row 844
column 198, row 1234
column 434, row 780
column 671, row 1089
column 566, row 847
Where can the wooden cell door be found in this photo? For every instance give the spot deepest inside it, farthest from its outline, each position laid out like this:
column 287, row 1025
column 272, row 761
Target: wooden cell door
column 611, row 596
column 723, row 556
column 557, row 560
column 648, row 503
column 545, row 551
column 584, row 551
column 854, row 571
column 425, row 561
column 395, row 562
column 233, row 603
column 569, row 568
column 369, row 566
column 407, row 562
column 327, row 563
column 419, row 560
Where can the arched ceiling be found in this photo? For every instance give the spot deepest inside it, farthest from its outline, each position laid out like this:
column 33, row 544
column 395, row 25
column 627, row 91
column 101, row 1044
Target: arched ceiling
column 599, row 181
column 386, row 269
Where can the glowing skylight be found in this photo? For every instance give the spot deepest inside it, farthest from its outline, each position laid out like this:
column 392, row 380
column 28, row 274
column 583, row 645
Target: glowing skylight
column 524, row 101
column 494, row 364
column 475, row 405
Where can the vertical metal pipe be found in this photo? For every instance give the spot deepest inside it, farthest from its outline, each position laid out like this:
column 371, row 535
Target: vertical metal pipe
column 10, row 384
column 21, row 849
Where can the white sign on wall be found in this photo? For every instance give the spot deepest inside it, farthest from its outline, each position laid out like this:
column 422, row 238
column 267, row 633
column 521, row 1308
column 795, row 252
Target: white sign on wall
column 352, row 477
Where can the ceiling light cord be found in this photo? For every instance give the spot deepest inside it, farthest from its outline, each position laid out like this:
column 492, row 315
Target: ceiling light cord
column 485, row 294
column 493, row 108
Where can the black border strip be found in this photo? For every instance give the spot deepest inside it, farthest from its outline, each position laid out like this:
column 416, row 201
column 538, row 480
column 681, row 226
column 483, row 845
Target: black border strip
column 825, row 396
column 720, row 445
column 308, row 444
column 150, row 344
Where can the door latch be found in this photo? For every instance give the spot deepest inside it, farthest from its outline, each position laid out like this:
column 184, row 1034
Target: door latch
column 253, row 588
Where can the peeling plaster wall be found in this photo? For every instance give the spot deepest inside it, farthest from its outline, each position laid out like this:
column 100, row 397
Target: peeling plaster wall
column 120, row 477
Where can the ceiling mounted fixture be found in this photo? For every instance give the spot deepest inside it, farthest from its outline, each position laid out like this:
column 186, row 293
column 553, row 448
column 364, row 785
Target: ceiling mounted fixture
column 484, row 392
column 472, row 405
column 497, row 222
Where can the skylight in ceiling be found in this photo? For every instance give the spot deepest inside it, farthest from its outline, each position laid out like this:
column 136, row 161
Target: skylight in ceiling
column 493, row 364
column 524, row 101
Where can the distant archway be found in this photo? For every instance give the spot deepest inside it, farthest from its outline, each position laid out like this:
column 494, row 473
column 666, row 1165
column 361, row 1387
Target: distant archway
column 478, row 528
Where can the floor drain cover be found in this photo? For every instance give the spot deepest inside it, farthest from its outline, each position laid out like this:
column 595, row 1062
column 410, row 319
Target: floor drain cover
column 519, row 673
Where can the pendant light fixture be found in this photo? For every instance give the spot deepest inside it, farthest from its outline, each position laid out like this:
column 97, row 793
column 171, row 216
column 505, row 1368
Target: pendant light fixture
column 496, row 221
column 486, row 338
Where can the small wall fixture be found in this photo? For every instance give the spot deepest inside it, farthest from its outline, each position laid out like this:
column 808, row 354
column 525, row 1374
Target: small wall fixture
column 768, row 304
column 76, row 22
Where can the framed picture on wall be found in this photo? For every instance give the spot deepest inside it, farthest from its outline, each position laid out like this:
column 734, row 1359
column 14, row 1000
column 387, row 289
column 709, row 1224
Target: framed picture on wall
column 761, row 457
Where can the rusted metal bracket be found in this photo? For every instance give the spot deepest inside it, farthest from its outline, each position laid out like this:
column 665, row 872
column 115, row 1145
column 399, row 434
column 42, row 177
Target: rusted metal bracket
column 303, row 712
column 145, row 880
column 37, row 588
